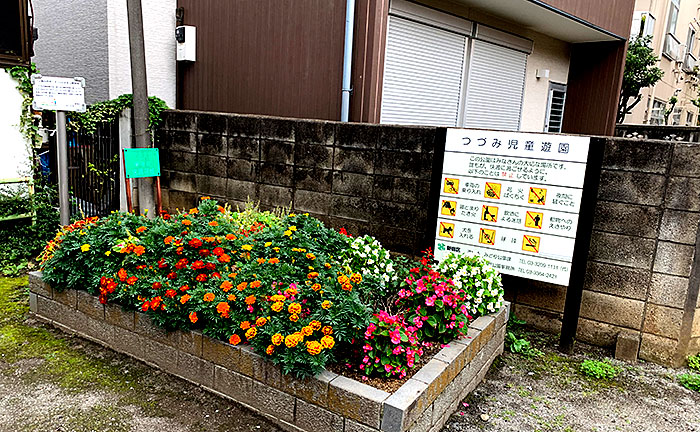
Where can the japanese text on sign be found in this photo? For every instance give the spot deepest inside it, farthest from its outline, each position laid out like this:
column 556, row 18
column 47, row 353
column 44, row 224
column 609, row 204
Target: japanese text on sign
column 59, row 94
column 513, row 198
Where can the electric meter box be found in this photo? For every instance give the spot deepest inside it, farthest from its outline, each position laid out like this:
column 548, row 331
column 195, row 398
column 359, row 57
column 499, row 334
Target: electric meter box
column 186, row 37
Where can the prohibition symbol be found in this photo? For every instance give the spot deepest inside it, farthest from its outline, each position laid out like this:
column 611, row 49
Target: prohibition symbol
column 489, row 213
column 537, row 196
column 533, row 220
column 492, row 190
column 447, row 230
column 487, row 236
column 451, row 185
column 531, row 243
column 448, row 208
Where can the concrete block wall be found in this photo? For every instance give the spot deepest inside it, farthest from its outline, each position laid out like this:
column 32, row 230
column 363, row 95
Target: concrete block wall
column 326, row 402
column 371, row 179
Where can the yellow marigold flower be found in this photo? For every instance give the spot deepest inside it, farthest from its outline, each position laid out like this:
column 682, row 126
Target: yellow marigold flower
column 261, row 321
column 270, row 349
column 261, row 260
column 312, row 275
column 277, row 339
column 85, row 247
column 310, row 256
column 108, row 253
column 294, row 308
column 342, row 279
column 277, row 298
column 292, row 214
column 313, row 347
column 293, row 228
column 293, row 317
column 277, row 306
column 291, row 291
column 316, row 287
column 328, row 342
column 326, row 304
column 307, row 331
column 247, row 247
column 327, row 265
column 276, row 249
column 268, row 244
column 291, row 341
column 288, row 233
column 315, row 325
column 327, row 330
column 250, row 333
column 194, row 210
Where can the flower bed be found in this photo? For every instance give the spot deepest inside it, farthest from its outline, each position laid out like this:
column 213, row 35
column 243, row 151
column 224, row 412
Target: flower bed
column 326, row 401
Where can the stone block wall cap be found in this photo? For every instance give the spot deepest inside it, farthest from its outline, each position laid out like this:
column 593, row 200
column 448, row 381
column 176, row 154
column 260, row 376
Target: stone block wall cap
column 407, row 394
column 363, row 390
column 482, row 322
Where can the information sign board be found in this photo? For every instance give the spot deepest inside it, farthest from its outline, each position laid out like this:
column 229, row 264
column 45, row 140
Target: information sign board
column 513, row 198
column 59, row 94
column 141, row 162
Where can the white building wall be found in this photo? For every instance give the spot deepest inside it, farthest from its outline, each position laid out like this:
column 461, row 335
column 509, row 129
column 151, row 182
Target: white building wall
column 159, row 35
column 15, row 160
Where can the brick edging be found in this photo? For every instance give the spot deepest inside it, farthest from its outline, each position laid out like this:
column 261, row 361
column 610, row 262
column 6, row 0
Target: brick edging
column 328, row 401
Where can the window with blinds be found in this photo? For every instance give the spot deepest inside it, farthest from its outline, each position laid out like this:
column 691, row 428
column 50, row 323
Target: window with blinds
column 555, row 107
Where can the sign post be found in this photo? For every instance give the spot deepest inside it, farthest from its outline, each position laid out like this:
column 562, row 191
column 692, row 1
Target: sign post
column 516, row 199
column 61, row 95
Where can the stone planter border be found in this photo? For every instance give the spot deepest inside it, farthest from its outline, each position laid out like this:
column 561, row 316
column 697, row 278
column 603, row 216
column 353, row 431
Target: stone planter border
column 326, row 402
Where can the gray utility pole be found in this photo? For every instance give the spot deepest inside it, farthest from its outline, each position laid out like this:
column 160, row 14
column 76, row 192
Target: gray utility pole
column 140, row 91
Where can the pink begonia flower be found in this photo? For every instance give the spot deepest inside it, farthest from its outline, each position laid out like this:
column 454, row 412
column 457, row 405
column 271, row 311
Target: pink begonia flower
column 395, row 336
column 364, row 378
column 430, row 301
column 453, row 317
column 362, row 367
column 376, row 360
column 425, row 318
column 250, row 308
column 420, row 286
column 403, row 373
column 367, row 347
column 461, row 324
column 388, row 368
column 365, row 360
column 397, row 350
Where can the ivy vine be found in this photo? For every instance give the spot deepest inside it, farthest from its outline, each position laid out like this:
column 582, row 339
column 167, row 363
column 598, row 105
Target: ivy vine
column 109, row 110
column 22, row 74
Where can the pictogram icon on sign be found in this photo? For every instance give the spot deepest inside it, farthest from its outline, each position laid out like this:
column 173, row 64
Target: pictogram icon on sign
column 448, row 208
column 447, row 229
column 537, row 196
column 487, row 236
column 531, row 243
column 533, row 219
column 492, row 190
column 451, row 185
column 489, row 213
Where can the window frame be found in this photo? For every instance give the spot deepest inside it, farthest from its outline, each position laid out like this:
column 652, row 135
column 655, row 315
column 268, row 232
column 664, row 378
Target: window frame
column 23, row 58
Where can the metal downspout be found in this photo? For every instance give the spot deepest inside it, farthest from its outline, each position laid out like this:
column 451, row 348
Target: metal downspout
column 347, row 59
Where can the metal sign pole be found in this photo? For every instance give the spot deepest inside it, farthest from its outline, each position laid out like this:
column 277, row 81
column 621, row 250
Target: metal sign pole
column 62, row 152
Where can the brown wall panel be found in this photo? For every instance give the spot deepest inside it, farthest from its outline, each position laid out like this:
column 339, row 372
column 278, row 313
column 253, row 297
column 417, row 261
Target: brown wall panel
column 593, row 91
column 273, row 57
column 612, row 15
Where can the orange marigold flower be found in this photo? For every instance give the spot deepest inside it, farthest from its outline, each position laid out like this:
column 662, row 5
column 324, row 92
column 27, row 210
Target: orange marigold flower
column 224, row 258
column 307, row 331
column 293, row 317
column 326, row 304
column 273, row 261
column 194, row 210
column 168, row 239
column 327, row 330
column 291, row 341
column 139, row 250
column 312, row 275
column 202, row 277
column 270, row 349
column 277, row 306
column 179, row 250
column 186, row 222
column 316, row 287
column 185, row 298
column 170, row 293
column 193, row 317
column 277, row 339
column 327, row 265
column 231, row 297
column 213, row 223
column 356, row 278
column 315, row 325
column 230, row 237
column 145, row 306
column 208, row 297
column 255, row 283
column 232, row 275
column 328, row 342
column 342, row 279
column 221, row 209
column 291, row 291
column 250, row 300
column 294, row 308
column 277, row 298
column 234, row 339
column 310, row 256
column 245, row 325
column 132, row 280
column 241, row 286
column 261, row 321
column 313, row 347
column 347, row 286
column 122, row 274
column 140, row 229
column 251, row 333
column 205, row 198
column 226, row 286
column 261, row 260
column 223, row 308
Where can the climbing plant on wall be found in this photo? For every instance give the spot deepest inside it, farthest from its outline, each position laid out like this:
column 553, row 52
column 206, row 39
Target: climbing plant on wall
column 22, row 74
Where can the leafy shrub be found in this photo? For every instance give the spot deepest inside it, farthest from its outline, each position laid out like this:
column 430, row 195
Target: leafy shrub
column 694, row 362
column 690, row 381
column 480, row 282
column 599, row 369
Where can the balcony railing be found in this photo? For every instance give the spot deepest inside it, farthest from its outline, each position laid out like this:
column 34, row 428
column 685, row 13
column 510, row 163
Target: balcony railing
column 690, row 63
column 672, row 47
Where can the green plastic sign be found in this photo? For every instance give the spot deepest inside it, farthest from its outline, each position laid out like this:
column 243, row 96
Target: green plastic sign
column 141, row 162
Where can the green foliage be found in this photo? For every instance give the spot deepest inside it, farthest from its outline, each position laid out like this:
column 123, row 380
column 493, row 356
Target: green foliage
column 690, row 381
column 640, row 72
column 22, row 74
column 694, row 362
column 108, row 111
column 516, row 342
column 599, row 369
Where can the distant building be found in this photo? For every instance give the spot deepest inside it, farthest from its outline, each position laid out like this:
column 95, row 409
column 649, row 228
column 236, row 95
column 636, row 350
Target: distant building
column 674, row 26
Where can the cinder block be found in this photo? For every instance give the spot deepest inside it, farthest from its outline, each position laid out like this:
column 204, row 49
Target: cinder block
column 116, row 315
column 313, row 179
column 625, row 218
column 663, row 321
column 314, row 132
column 542, row 295
column 90, row 305
column 314, row 418
column 622, row 250
column 180, row 120
column 161, row 355
column 685, row 160
column 363, row 136
column 611, row 309
column 354, row 160
column 144, row 326
column 38, row 286
column 190, row 342
column 636, row 155
column 402, row 164
column 66, row 297
column 673, row 258
column 353, row 426
column 275, row 196
column 244, row 126
column 313, row 156
column 679, row 196
column 423, row 423
column 277, row 129
column 540, row 319
column 617, row 280
column 355, row 400
column 679, row 226
column 632, row 187
column 221, row 353
column 455, row 356
column 436, row 374
column 51, row 309
column 596, row 333
column 212, row 144
column 668, row 290
column 180, row 141
column 313, row 390
column 210, row 123
column 195, row 369
column 401, row 138
column 314, row 202
column 211, row 184
column 658, row 349
column 347, row 183
column 128, row 342
column 485, row 324
column 627, row 346
column 404, row 407
column 272, row 401
column 233, row 384
column 251, row 364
